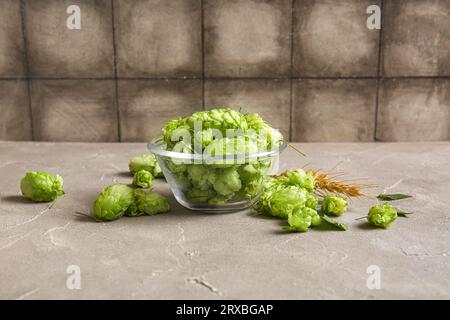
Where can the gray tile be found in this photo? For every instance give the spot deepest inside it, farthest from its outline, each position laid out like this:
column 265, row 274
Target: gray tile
column 416, row 38
column 334, row 110
column 15, row 121
column 74, row 110
column 158, row 38
column 56, row 51
column 414, row 110
column 331, row 38
column 269, row 98
column 247, row 38
column 11, row 45
column 145, row 105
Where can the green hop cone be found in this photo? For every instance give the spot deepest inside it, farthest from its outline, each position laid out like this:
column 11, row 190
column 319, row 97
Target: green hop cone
column 281, row 202
column 382, row 215
column 238, row 145
column 335, row 205
column 311, row 202
column 202, row 129
column 218, row 200
column 200, row 196
column 271, row 137
column 182, row 181
column 172, row 129
column 204, row 138
column 221, row 119
column 251, row 187
column 202, row 177
column 302, row 218
column 41, row 186
column 182, row 147
column 133, row 210
column 227, row 182
column 113, row 202
column 315, row 218
column 143, row 179
column 302, row 179
column 252, row 176
column 226, row 146
column 151, row 203
column 255, row 122
column 146, row 162
column 175, row 167
column 299, row 221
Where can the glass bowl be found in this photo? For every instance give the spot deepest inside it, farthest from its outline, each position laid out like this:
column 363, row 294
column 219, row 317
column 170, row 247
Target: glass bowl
column 224, row 183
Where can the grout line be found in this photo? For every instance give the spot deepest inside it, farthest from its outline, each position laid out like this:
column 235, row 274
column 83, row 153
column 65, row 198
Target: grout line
column 202, row 33
column 291, row 74
column 215, row 78
column 70, row 78
column 116, row 84
column 379, row 78
column 114, row 78
column 377, row 102
column 380, row 40
column 26, row 64
column 413, row 77
column 162, row 78
column 13, row 78
column 229, row 78
column 249, row 78
column 336, row 78
column 203, row 94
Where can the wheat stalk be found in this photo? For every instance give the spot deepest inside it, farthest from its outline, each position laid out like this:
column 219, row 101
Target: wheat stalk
column 325, row 183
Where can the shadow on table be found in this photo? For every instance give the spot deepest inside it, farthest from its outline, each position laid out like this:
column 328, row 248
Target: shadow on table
column 284, row 231
column 124, row 174
column 17, row 199
column 254, row 214
column 84, row 217
column 364, row 225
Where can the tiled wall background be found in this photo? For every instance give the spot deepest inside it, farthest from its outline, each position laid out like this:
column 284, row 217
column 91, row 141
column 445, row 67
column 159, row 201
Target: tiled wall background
column 311, row 67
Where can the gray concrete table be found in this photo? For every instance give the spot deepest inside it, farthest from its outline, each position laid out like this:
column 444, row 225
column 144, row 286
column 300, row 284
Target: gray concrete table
column 186, row 254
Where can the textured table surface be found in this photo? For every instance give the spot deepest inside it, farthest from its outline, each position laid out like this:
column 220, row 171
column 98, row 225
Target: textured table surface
column 191, row 255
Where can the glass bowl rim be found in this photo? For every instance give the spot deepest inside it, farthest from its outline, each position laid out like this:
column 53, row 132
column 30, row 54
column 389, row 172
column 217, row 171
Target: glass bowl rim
column 155, row 147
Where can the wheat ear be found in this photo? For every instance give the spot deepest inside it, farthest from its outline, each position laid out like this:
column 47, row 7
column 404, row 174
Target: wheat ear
column 327, row 184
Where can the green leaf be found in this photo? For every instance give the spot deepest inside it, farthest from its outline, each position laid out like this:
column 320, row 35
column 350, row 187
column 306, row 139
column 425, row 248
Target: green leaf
column 334, row 223
column 402, row 213
column 392, row 197
column 85, row 215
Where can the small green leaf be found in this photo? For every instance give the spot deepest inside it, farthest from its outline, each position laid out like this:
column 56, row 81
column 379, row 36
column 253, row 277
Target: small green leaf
column 85, row 215
column 402, row 213
column 392, row 197
column 334, row 223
